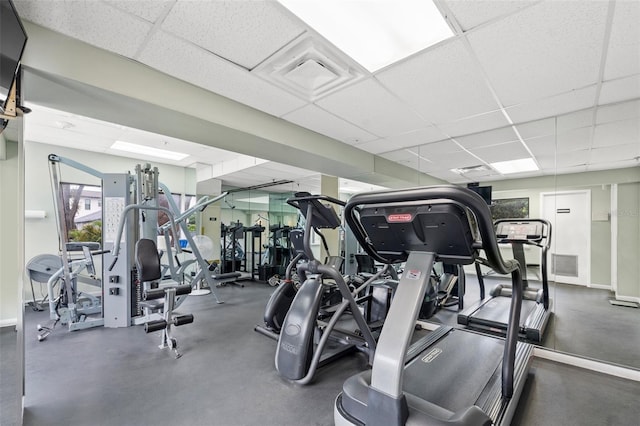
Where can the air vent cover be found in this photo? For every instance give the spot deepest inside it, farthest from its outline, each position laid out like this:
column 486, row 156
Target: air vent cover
column 564, row 264
column 308, row 68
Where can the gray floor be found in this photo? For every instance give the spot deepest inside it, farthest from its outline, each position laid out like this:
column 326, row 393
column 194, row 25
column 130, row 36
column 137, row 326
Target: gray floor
column 558, row 394
column 8, row 376
column 583, row 322
column 226, row 376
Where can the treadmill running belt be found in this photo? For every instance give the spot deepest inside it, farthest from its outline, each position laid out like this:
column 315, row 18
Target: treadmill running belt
column 497, row 309
column 462, row 361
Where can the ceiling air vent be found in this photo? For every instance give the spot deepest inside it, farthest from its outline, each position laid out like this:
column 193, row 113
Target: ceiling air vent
column 308, row 68
column 478, row 168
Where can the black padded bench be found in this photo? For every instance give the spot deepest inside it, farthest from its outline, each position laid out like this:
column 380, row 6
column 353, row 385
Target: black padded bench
column 221, row 280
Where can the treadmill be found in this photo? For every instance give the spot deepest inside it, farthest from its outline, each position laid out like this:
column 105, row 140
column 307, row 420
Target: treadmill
column 451, row 376
column 492, row 315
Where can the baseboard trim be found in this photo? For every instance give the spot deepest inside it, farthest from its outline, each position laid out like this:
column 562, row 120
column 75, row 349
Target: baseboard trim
column 588, row 364
column 628, row 299
column 600, row 286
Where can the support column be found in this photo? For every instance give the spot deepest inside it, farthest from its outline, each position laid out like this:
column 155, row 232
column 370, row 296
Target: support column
column 210, row 218
column 329, row 186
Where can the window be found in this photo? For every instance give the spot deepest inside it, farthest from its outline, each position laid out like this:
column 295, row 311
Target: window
column 82, row 224
column 510, row 208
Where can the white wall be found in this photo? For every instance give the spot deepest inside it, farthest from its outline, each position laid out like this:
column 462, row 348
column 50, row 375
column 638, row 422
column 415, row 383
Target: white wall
column 41, row 234
column 9, row 255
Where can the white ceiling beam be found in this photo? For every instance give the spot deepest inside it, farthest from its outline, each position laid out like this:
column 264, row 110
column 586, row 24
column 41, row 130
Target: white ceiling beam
column 71, row 75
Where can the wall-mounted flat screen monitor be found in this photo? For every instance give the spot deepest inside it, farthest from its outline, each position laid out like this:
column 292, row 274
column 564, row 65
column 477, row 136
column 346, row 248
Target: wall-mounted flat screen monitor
column 483, row 191
column 13, row 39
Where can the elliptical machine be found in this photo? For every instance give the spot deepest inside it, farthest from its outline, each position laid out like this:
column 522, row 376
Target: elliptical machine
column 446, row 290
column 315, row 332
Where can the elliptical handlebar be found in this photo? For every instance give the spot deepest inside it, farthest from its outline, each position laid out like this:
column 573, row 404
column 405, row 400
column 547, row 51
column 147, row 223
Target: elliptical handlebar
column 321, row 216
column 317, row 215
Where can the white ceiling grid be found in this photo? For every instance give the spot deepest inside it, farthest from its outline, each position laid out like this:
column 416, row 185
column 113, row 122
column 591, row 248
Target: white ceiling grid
column 510, row 62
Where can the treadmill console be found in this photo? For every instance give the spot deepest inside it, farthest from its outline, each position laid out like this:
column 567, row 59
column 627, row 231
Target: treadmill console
column 443, row 228
column 507, row 232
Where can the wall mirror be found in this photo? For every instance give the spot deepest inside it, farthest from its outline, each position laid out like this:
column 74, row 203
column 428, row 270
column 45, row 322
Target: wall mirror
column 587, row 185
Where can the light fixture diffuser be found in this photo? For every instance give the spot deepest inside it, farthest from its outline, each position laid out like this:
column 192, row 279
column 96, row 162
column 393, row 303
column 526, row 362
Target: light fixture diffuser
column 375, row 33
column 148, row 151
column 515, row 166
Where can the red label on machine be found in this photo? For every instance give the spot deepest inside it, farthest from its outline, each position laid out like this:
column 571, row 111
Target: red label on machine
column 413, row 274
column 399, row 217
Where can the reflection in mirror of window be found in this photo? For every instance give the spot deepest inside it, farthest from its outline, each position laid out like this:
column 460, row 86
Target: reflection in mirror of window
column 83, row 224
column 510, row 208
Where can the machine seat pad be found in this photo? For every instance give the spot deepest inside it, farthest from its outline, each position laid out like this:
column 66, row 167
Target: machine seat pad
column 355, row 394
column 153, row 305
column 226, row 276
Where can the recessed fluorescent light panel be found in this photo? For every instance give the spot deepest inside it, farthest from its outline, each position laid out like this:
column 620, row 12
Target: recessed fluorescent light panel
column 515, row 166
column 375, row 33
column 148, row 151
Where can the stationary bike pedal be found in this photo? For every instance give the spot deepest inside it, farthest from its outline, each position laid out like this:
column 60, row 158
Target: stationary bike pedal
column 376, row 325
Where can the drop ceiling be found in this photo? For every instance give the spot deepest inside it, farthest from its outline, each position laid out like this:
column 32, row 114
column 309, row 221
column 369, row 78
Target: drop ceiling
column 518, row 79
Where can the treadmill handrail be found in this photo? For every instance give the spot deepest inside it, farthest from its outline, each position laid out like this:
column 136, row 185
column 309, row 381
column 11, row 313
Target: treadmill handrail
column 467, row 198
column 478, row 207
column 546, row 236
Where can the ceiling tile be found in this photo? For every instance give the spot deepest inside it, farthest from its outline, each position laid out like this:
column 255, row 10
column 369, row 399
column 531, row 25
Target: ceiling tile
column 575, row 120
column 426, row 166
column 72, row 125
column 491, row 137
column 615, row 153
column 319, row 120
column 555, row 105
column 95, row 23
column 573, row 158
column 550, row 48
column 617, row 112
column 244, row 32
column 621, row 89
column 617, row 133
column 197, row 66
column 541, row 146
column 613, row 165
column 439, row 148
column 470, row 14
column 45, row 134
column 573, row 140
column 504, row 152
column 534, row 129
column 623, row 56
column 375, row 147
column 419, row 137
column 478, row 123
column 369, row 106
column 546, row 162
column 149, row 10
column 442, row 84
column 453, row 160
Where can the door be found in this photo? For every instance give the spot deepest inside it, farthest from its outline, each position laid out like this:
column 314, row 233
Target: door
column 570, row 255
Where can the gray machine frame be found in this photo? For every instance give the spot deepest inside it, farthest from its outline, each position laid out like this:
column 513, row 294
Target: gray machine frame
column 442, row 233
